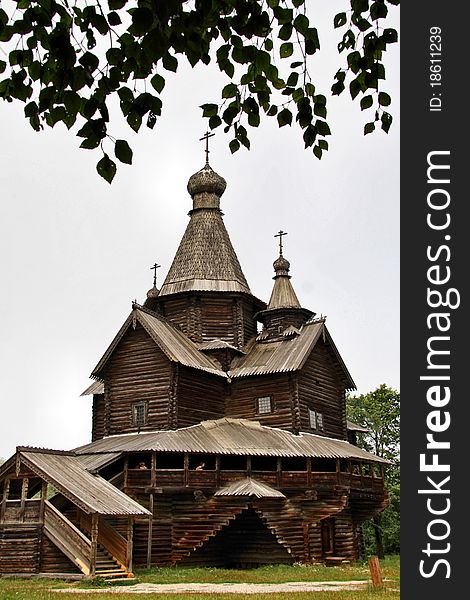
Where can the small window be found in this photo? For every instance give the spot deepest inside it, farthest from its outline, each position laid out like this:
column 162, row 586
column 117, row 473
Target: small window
column 139, row 413
column 315, row 419
column 264, row 405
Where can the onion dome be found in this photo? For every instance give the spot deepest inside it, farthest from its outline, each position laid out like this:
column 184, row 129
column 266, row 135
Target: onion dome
column 283, row 294
column 281, row 266
column 206, row 187
column 206, row 180
column 153, row 292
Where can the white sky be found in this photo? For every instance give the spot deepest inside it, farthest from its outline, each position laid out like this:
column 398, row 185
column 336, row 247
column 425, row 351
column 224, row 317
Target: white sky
column 75, row 251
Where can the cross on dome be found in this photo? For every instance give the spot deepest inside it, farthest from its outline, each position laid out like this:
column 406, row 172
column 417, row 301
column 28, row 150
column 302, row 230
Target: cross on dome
column 206, row 137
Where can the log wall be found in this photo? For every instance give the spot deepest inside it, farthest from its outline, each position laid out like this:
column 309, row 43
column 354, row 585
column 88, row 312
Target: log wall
column 208, row 316
column 320, row 389
column 137, row 371
column 53, row 560
column 98, row 417
column 241, row 400
column 200, row 397
column 19, row 548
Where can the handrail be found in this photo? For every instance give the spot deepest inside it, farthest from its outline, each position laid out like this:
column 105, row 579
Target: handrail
column 109, row 538
column 70, row 540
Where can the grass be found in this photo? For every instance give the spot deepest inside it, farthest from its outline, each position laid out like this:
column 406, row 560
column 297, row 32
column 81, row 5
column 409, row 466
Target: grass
column 42, row 589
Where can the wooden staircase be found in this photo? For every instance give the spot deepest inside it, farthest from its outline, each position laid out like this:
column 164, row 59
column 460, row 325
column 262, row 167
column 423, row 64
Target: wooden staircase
column 76, row 545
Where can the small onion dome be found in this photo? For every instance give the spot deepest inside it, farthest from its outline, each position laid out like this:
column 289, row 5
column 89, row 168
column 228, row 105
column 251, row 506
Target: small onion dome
column 153, row 292
column 281, row 266
column 206, row 180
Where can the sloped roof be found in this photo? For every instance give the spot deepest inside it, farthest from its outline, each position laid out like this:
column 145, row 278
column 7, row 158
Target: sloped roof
column 97, row 387
column 286, row 355
column 91, row 493
column 249, row 487
column 230, row 436
column 355, row 427
column 205, row 259
column 175, row 345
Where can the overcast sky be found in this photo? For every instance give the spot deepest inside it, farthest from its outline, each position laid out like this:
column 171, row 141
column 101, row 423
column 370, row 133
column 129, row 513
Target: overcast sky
column 76, row 251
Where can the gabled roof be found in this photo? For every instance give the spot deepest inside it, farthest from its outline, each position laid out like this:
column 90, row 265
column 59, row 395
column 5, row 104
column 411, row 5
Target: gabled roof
column 286, row 355
column 249, row 487
column 97, row 387
column 230, row 436
column 173, row 343
column 91, row 493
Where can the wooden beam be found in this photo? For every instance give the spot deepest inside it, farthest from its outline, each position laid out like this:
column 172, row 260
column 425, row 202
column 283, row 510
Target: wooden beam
column 150, row 536
column 24, row 493
column 94, row 543
column 130, row 534
column 6, row 489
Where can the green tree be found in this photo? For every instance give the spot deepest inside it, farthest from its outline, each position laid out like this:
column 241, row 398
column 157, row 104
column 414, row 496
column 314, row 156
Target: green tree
column 67, row 59
column 379, row 412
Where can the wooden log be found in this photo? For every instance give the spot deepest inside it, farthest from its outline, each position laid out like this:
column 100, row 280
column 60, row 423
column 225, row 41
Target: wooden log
column 375, row 572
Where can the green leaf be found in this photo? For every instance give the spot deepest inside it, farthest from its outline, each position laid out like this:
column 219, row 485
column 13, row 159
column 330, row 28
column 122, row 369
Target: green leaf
column 366, row 102
column 123, row 151
column 390, row 36
column 215, row 121
column 253, row 119
column 268, row 44
column 116, row 4
column 301, row 23
column 286, row 50
column 285, row 32
column 340, row 19
column 320, row 110
column 284, row 117
column 386, row 121
column 310, row 89
column 369, row 128
column 158, row 82
column 378, row 10
column 209, row 110
column 384, row 99
column 170, row 62
column 142, row 20
column 272, row 112
column 322, row 127
column 106, row 168
column 114, row 19
column 317, row 151
column 359, row 6
column 363, row 25
column 354, row 88
column 3, row 66
column 234, row 146
column 230, row 91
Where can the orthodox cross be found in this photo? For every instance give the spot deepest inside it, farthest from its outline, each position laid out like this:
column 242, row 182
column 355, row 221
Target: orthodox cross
column 279, row 235
column 154, row 269
column 206, row 137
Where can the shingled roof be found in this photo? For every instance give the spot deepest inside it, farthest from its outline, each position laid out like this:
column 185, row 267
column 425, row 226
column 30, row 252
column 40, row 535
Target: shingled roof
column 175, row 345
column 230, row 436
column 205, row 259
column 286, row 355
column 91, row 493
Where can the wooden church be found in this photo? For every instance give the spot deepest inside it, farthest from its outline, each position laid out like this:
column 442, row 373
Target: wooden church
column 219, row 433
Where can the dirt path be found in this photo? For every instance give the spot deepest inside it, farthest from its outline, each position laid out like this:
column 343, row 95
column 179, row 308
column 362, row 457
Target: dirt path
column 225, row 588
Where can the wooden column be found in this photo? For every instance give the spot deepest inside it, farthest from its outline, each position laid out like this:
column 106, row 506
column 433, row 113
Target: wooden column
column 309, row 472
column 94, row 543
column 248, row 466
column 6, row 489
column 43, row 500
column 186, row 469
column 126, row 468
column 130, row 534
column 279, row 472
column 338, row 469
column 149, row 540
column 153, row 472
column 24, row 493
column 217, row 470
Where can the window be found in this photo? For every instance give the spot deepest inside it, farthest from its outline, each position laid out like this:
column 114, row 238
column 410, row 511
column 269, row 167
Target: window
column 139, row 413
column 264, row 405
column 315, row 419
